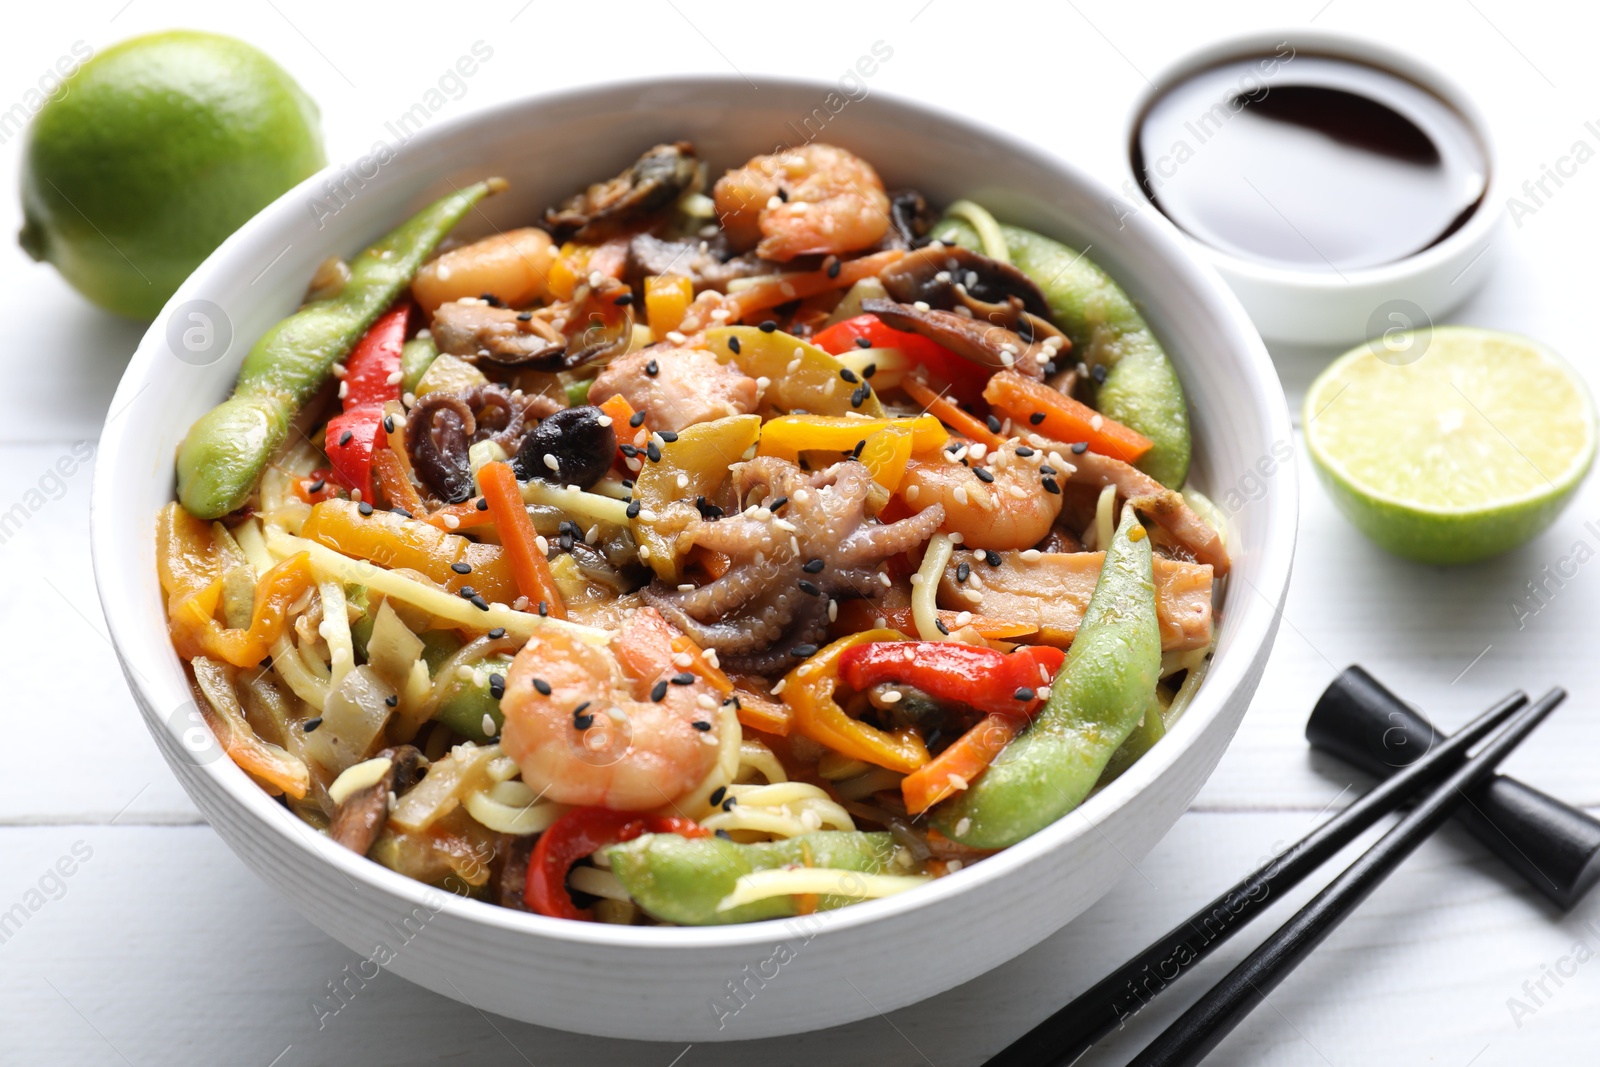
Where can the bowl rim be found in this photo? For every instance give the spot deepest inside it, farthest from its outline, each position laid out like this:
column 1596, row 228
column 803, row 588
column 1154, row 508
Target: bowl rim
column 1255, row 617
column 1436, row 258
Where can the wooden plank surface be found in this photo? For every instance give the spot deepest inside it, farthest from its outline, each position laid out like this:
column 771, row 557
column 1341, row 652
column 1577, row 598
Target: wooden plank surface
column 162, row 949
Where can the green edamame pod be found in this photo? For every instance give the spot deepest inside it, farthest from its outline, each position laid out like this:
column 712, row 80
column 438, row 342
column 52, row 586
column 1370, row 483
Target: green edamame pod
column 226, row 450
column 681, row 880
column 1141, row 389
column 467, row 701
column 416, row 356
column 1151, row 729
column 1096, row 701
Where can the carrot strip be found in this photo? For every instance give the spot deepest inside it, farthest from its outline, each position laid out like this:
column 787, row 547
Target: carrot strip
column 945, row 411
column 397, row 488
column 519, row 538
column 781, row 289
column 954, row 769
column 1058, row 416
column 466, row 516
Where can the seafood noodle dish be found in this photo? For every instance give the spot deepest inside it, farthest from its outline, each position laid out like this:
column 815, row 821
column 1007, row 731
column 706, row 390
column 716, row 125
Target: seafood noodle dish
column 721, row 545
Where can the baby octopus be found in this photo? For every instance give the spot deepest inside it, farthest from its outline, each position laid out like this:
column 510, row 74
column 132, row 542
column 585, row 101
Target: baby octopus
column 807, row 544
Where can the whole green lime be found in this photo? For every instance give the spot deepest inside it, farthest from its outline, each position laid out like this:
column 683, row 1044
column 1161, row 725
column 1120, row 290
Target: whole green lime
column 151, row 154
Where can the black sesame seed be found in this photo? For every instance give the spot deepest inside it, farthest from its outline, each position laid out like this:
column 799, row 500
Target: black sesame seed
column 627, row 483
column 783, row 195
column 653, row 453
column 983, row 476
column 624, row 300
column 388, row 424
column 809, row 588
column 855, row 453
column 544, row 609
column 652, row 368
column 497, row 685
column 636, row 420
column 1045, row 468
column 869, row 370
column 814, row 566
column 483, row 503
column 312, row 724
column 542, row 686
column 833, row 267
column 628, row 450
column 863, row 342
column 480, row 603
column 1024, row 693
column 582, row 722
column 849, row 375
column 364, row 507
column 993, row 424
column 1050, row 369
column 1080, row 447
column 701, row 725
column 991, row 557
column 492, row 300
column 803, row 651
column 497, row 633
column 1098, row 372
column 1025, row 331
column 526, row 316
column 1051, row 487
column 727, row 804
column 1024, row 451
column 767, row 326
column 658, row 692
column 402, row 512
column 717, row 794
column 683, row 679
column 466, row 592
column 633, row 509
column 317, row 486
column 266, row 664
column 1036, row 418
column 391, row 701
column 667, row 435
column 859, row 397
column 963, row 571
column 778, row 503
column 345, row 437
column 579, row 710
column 461, row 568
column 942, row 627
column 734, row 700
column 953, row 447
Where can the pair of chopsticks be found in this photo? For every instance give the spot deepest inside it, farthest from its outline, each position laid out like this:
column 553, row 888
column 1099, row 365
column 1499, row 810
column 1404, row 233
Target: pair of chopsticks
column 1445, row 774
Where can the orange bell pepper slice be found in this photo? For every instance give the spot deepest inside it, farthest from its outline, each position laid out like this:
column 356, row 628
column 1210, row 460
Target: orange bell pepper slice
column 808, row 691
column 521, row 540
column 395, row 542
column 666, row 300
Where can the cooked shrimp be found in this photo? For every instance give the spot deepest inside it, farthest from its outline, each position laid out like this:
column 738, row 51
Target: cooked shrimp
column 586, row 726
column 1011, row 509
column 809, row 200
column 676, row 387
column 513, row 266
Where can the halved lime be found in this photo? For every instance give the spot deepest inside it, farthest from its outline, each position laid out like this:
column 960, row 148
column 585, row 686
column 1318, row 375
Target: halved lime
column 1451, row 444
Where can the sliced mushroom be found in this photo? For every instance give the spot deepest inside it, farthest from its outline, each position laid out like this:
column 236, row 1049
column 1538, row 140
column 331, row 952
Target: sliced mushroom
column 910, row 218
column 654, row 181
column 359, row 818
column 984, row 343
column 949, row 276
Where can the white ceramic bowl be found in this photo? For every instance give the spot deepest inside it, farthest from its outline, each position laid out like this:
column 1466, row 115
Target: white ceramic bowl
column 1347, row 307
column 667, row 983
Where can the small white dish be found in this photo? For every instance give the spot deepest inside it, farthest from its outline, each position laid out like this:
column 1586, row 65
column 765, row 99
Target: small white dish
column 1345, row 306
column 730, row 982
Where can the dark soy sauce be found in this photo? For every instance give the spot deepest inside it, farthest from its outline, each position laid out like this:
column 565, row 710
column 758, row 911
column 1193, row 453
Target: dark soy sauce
column 1309, row 162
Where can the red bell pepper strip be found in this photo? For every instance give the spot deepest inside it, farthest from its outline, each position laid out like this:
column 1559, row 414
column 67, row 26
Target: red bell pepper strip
column 966, row 378
column 997, row 683
column 354, row 434
column 579, row 833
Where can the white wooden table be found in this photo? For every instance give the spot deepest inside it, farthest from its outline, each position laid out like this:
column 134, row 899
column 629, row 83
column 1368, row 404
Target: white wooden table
column 159, row 948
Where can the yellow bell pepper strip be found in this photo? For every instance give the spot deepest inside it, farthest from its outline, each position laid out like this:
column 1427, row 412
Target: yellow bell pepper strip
column 395, row 542
column 789, row 435
column 782, row 288
column 800, row 376
column 809, row 689
column 702, row 454
column 1061, row 418
column 191, row 567
column 666, row 299
column 886, row 454
column 968, row 426
column 520, row 540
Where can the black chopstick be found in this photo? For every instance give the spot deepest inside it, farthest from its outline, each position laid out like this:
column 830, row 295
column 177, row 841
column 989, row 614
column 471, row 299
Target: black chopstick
column 1064, row 1036
column 1192, row 1037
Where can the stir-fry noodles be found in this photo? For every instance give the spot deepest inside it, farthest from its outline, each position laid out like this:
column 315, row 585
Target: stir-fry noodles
column 703, row 552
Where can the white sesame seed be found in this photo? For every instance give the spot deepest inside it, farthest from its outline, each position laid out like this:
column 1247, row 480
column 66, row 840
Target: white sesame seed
column 762, row 383
column 489, row 728
column 779, row 687
column 916, row 579
column 891, row 696
column 1098, row 421
column 647, row 515
column 957, row 537
column 963, row 617
column 543, row 543
column 451, row 522
column 683, row 480
column 344, row 389
column 976, row 451
column 644, row 552
column 704, row 700
column 395, row 378
column 710, row 656
column 963, row 826
column 921, row 305
column 953, row 865
column 552, row 462
column 339, row 370
column 885, row 579
column 912, row 492
column 676, row 337
column 1031, row 554
column 686, row 587
column 961, row 495
column 833, row 611
column 604, row 420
